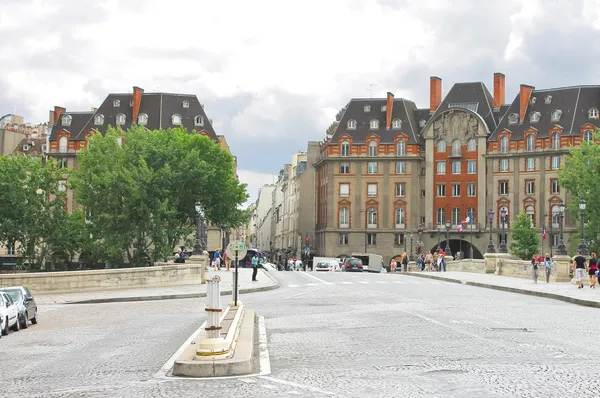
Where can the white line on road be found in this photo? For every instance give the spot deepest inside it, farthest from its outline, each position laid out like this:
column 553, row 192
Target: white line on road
column 293, row 286
column 314, row 277
column 291, row 384
column 305, row 292
column 364, row 282
column 310, row 284
column 381, row 282
column 263, row 349
column 399, row 282
column 346, row 283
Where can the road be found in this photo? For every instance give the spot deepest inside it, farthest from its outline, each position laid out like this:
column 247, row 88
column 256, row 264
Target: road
column 339, row 334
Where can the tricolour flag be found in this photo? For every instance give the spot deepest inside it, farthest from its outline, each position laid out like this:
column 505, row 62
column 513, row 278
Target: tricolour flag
column 467, row 220
column 544, row 232
column 459, row 228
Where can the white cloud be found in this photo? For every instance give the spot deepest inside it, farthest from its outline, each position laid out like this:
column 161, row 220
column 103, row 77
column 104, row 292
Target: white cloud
column 255, row 180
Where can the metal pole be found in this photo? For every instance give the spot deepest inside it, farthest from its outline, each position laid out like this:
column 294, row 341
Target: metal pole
column 438, row 246
column 582, row 244
column 551, row 240
column 561, row 250
column 502, row 248
column 235, row 285
column 471, row 248
column 411, row 258
column 366, row 229
column 491, row 248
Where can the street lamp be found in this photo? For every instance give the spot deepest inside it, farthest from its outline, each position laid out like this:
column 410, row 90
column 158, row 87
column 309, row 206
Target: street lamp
column 438, row 246
column 410, row 257
column 491, row 248
column 561, row 250
column 502, row 248
column 199, row 246
column 551, row 221
column 447, row 249
column 582, row 245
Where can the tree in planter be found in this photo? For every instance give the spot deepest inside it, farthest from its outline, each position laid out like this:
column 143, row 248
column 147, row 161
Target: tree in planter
column 524, row 239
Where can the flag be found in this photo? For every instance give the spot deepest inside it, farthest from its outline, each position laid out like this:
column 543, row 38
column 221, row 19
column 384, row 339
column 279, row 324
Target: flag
column 460, row 228
column 544, row 232
column 467, row 220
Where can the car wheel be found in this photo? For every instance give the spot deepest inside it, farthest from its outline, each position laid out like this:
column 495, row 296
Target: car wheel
column 17, row 326
column 5, row 331
column 34, row 320
column 25, row 323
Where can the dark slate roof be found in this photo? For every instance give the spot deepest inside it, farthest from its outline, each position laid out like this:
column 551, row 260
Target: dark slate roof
column 403, row 109
column 160, row 107
column 500, row 113
column 474, row 96
column 573, row 102
column 421, row 114
column 78, row 121
column 35, row 146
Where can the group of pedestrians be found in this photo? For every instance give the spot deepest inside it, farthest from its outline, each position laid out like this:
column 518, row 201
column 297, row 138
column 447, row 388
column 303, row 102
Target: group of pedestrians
column 544, row 262
column 426, row 262
column 581, row 265
column 220, row 257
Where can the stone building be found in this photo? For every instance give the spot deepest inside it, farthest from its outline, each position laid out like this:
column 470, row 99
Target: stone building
column 390, row 170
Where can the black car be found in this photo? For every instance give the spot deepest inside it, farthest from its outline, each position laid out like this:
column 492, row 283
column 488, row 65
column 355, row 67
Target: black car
column 353, row 265
column 26, row 303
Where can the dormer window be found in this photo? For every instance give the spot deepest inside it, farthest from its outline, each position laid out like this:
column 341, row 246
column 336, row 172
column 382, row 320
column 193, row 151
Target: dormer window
column 397, row 123
column 131, row 103
column 99, row 120
column 422, row 123
column 513, row 118
column 142, row 119
column 121, row 119
column 548, row 99
column 186, row 104
column 535, row 117
column 383, row 108
column 66, row 120
column 116, row 103
column 26, row 147
column 593, row 113
column 374, row 124
column 367, row 108
column 556, row 115
column 533, row 100
column 351, row 124
column 198, row 121
column 176, row 120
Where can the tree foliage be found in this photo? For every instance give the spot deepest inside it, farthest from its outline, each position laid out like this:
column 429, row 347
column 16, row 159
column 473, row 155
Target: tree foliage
column 524, row 239
column 140, row 195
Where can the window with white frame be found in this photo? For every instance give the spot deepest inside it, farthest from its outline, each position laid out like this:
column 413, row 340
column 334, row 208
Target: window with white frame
column 556, row 162
column 176, row 120
column 372, row 168
column 503, row 187
column 372, row 217
column 367, row 108
column 455, row 190
column 593, row 113
column 535, row 117
column 441, row 146
column 503, row 165
column 198, row 121
column 548, row 99
column 186, row 104
column 401, row 167
column 400, row 189
column 472, row 166
column 63, row 144
column 513, row 118
column 345, row 190
column 471, row 145
column 66, row 120
column 62, row 163
column 383, row 108
column 345, row 168
column 396, row 124
column 556, row 141
column 401, row 148
column 555, row 216
column 555, row 117
column 530, row 187
column 116, row 103
column 343, row 239
column 344, row 217
column 372, row 239
column 504, row 144
column 554, row 187
column 441, row 167
column 456, row 148
column 99, row 120
column 345, row 148
column 372, row 148
column 530, row 164
column 10, row 249
column 530, row 213
column 530, row 143
column 142, row 119
column 441, row 190
column 471, row 213
column 398, row 239
column 371, row 190
column 400, row 218
column 121, row 118
column 456, row 167
column 374, row 124
column 422, row 123
column 441, row 216
column 351, row 124
column 62, row 185
column 503, row 209
column 588, row 136
column 471, row 189
column 456, row 220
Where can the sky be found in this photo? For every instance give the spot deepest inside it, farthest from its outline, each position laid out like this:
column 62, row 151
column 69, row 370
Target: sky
column 272, row 74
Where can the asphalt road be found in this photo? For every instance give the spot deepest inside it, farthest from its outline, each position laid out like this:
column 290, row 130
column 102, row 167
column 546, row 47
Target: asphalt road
column 342, row 334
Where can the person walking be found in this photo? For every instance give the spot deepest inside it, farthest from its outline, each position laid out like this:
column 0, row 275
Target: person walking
column 217, row 259
column 429, row 261
column 593, row 268
column 227, row 261
column 393, row 265
column 535, row 263
column 254, row 267
column 580, row 265
column 548, row 266
column 404, row 262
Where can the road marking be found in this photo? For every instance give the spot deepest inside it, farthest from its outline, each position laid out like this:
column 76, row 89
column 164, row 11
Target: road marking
column 415, row 282
column 364, row 282
column 263, row 350
column 381, row 282
column 294, row 392
column 310, row 284
column 291, row 384
column 314, row 277
column 346, row 283
column 293, row 286
column 399, row 282
column 305, row 292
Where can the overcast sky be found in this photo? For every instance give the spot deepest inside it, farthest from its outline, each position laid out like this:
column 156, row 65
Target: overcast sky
column 273, row 74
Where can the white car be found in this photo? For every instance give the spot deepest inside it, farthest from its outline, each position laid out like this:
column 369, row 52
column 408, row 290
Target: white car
column 9, row 314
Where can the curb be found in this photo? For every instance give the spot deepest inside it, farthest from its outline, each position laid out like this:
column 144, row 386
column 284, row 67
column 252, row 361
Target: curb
column 572, row 300
column 172, row 296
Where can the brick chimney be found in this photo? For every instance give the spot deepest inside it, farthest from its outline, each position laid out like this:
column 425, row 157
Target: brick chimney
column 524, row 95
column 137, row 101
column 499, row 86
column 388, row 110
column 435, row 93
column 57, row 112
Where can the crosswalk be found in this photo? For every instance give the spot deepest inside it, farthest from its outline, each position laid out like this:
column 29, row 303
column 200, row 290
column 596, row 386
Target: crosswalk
column 366, row 282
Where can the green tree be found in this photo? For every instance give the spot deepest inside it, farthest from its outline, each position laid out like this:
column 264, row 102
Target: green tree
column 140, row 196
column 524, row 239
column 69, row 236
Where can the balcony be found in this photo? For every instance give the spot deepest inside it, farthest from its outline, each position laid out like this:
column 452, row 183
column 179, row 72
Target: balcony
column 455, row 154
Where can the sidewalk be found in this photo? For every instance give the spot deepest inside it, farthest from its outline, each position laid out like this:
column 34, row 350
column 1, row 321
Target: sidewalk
column 265, row 281
column 559, row 291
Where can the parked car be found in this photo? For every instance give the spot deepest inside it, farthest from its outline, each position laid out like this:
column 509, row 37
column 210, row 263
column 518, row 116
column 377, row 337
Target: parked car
column 26, row 304
column 9, row 314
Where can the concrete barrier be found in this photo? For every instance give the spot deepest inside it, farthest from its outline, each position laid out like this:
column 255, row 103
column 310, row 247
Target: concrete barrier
column 162, row 274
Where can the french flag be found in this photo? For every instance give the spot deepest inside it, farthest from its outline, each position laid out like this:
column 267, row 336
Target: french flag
column 467, row 220
column 459, row 228
column 544, row 232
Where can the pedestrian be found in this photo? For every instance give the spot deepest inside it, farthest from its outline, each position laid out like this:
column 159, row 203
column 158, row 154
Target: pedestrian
column 580, row 265
column 535, row 262
column 421, row 261
column 393, row 265
column 404, row 262
column 441, row 261
column 217, row 259
column 227, row 261
column 593, row 268
column 435, row 257
column 548, row 266
column 180, row 256
column 254, row 267
column 429, row 261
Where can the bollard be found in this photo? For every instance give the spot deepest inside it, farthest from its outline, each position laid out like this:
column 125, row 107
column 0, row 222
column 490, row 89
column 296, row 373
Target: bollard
column 213, row 344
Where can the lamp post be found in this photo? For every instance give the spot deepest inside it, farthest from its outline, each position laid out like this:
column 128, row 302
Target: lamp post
column 447, row 249
column 411, row 257
column 199, row 246
column 438, row 246
column 491, row 248
column 561, row 249
column 367, row 225
column 502, row 248
column 582, row 244
column 551, row 240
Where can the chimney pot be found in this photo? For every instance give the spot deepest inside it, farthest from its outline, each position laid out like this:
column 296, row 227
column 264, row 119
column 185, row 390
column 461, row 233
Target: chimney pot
column 499, row 90
column 435, row 93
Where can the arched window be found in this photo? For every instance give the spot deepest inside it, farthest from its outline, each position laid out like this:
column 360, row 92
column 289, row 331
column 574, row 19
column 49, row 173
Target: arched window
column 372, row 148
column 63, row 144
column 367, row 108
column 400, row 218
column 186, row 104
column 198, row 121
column 176, row 120
column 99, row 120
column 471, row 145
column 121, row 119
column 530, row 143
column 504, row 144
column 441, row 146
column 344, row 217
column 456, row 216
column 351, row 124
column 456, row 148
column 441, row 216
column 345, row 148
column 593, row 113
column 372, row 217
column 397, row 123
column 472, row 214
column 513, row 118
column 588, row 136
column 116, row 103
column 535, row 117
column 530, row 213
column 503, row 208
column 374, row 124
column 400, row 148
column 142, row 119
column 555, row 216
column 555, row 117
column 66, row 120
column 555, row 141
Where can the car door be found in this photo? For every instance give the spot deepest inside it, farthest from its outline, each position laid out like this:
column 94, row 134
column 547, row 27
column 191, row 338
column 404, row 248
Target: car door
column 13, row 311
column 29, row 302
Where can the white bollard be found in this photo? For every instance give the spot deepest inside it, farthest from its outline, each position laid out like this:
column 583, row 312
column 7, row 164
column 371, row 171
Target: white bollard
column 213, row 344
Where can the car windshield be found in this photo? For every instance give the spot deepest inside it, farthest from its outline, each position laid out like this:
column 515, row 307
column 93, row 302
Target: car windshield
column 354, row 262
column 15, row 294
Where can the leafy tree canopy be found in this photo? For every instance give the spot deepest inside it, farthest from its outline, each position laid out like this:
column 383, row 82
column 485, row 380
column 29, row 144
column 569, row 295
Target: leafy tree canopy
column 524, row 239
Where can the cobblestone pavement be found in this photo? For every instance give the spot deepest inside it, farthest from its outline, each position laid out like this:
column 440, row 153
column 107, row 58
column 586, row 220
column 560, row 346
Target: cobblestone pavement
column 341, row 335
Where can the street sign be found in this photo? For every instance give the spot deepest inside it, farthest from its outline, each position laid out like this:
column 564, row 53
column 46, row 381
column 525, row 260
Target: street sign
column 240, row 247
